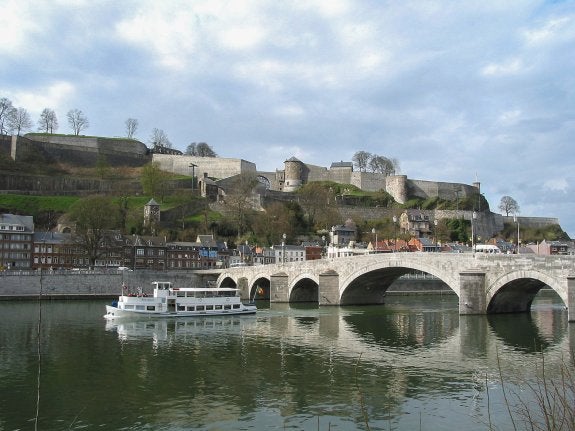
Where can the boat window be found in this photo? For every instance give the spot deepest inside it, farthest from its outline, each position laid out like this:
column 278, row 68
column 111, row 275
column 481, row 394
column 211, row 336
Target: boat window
column 209, row 307
column 181, row 308
column 140, row 307
column 218, row 307
column 129, row 307
column 151, row 308
column 191, row 308
column 181, row 294
column 236, row 305
column 227, row 307
column 200, row 308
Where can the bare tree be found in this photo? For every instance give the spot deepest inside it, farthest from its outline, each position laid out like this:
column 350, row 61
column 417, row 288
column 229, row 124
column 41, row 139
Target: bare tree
column 93, row 217
column 382, row 165
column 48, row 122
column 240, row 200
column 131, row 127
column 159, row 138
column 200, row 149
column 77, row 121
column 360, row 160
column 508, row 205
column 19, row 121
column 6, row 110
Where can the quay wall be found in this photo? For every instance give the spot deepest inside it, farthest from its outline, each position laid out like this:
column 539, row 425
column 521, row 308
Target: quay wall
column 87, row 284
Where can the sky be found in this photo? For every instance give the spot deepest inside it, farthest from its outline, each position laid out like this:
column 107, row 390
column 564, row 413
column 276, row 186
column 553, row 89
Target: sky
column 455, row 91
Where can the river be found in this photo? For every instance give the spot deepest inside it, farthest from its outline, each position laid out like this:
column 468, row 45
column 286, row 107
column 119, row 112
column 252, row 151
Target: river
column 411, row 364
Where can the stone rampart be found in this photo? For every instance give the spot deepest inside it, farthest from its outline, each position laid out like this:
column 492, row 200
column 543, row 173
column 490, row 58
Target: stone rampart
column 531, row 222
column 368, row 181
column 81, row 150
column 43, row 184
column 215, row 167
column 448, row 191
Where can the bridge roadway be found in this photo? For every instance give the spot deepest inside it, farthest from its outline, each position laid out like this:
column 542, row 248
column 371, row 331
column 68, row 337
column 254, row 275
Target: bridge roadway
column 484, row 283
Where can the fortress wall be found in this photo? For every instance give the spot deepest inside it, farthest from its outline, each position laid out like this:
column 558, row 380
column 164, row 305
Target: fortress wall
column 82, row 150
column 428, row 189
column 396, row 186
column 5, row 144
column 368, row 181
column 317, row 173
column 42, row 184
column 340, row 175
column 215, row 167
column 531, row 222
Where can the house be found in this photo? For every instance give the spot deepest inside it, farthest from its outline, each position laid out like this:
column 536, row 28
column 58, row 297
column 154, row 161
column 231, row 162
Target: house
column 424, row 245
column 415, row 223
column 16, row 238
column 547, row 248
column 343, row 235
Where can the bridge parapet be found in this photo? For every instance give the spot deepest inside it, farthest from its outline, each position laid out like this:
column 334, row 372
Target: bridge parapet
column 518, row 274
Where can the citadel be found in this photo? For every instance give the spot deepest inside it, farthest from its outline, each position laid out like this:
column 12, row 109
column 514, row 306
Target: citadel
column 211, row 176
column 86, row 151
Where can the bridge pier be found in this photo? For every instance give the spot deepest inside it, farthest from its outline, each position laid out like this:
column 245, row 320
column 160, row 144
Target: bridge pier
column 279, row 287
column 328, row 290
column 571, row 298
column 472, row 298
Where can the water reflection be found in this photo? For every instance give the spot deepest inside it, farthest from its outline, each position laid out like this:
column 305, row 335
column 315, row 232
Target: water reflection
column 288, row 367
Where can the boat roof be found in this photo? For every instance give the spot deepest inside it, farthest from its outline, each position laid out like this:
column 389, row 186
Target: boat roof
column 196, row 289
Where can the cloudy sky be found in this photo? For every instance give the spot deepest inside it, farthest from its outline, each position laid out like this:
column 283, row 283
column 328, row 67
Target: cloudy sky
column 454, row 90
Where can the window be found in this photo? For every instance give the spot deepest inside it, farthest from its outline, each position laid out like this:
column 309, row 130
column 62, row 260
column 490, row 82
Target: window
column 150, row 308
column 140, row 251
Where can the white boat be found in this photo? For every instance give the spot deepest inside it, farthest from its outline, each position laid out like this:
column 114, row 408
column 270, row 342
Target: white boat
column 168, row 301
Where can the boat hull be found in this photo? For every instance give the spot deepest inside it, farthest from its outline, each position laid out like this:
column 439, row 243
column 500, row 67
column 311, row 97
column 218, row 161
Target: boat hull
column 113, row 312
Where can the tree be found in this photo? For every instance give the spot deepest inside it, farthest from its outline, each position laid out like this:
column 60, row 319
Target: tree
column 508, row 205
column 360, row 160
column 239, row 198
column 94, row 217
column 153, row 179
column 382, row 165
column 200, row 150
column 6, row 110
column 159, row 138
column 77, row 121
column 131, row 127
column 318, row 202
column 19, row 121
column 48, row 122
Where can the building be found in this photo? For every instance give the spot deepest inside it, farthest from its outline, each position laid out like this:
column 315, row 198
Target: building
column 342, row 235
column 16, row 239
column 55, row 250
column 415, row 223
column 284, row 253
column 547, row 248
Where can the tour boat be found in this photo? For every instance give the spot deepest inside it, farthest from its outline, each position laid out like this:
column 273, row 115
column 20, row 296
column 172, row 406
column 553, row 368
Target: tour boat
column 168, row 301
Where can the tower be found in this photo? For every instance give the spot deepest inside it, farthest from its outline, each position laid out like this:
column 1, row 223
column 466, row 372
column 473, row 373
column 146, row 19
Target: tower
column 151, row 213
column 293, row 174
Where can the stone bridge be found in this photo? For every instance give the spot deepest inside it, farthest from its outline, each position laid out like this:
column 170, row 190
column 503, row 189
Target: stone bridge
column 484, row 283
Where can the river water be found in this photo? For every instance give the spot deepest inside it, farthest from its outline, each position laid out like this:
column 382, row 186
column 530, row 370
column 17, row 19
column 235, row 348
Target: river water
column 411, row 364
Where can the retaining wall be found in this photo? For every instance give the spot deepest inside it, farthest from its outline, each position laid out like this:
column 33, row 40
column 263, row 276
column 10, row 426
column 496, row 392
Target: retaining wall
column 86, row 284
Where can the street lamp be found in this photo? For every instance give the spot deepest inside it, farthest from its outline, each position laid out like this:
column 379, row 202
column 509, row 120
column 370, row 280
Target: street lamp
column 374, row 232
column 473, row 217
column 284, row 248
column 394, row 233
column 516, row 220
column 435, row 223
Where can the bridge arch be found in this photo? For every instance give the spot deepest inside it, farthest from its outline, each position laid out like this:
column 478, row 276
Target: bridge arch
column 304, row 288
column 515, row 291
column 368, row 284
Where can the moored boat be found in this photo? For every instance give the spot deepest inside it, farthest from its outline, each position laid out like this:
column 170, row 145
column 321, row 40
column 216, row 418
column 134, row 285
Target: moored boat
column 169, row 301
